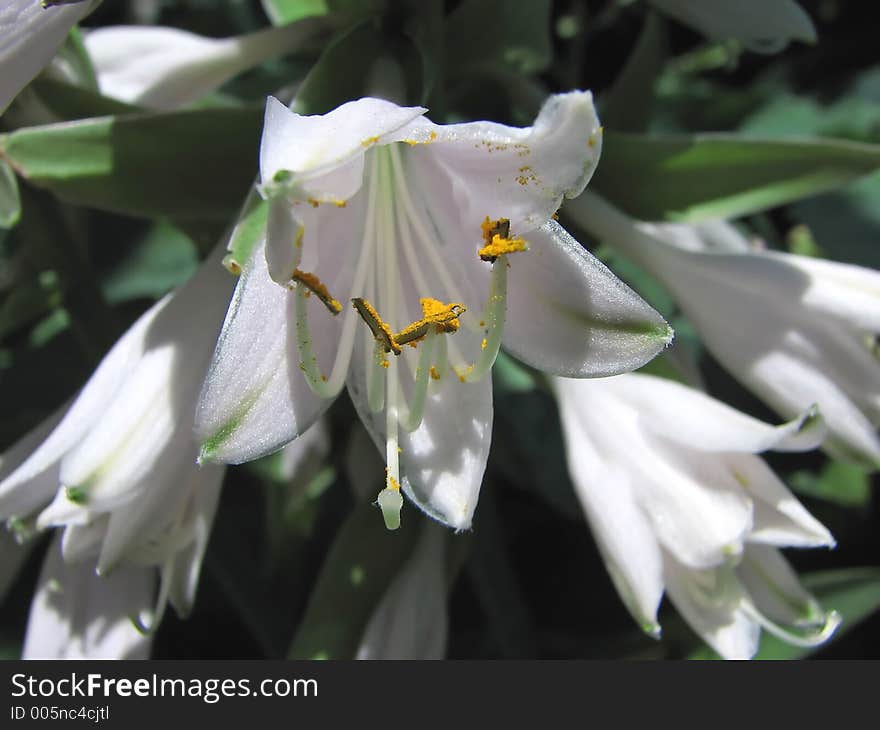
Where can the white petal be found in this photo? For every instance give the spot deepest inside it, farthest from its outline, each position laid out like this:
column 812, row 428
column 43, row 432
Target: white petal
column 711, row 601
column 144, row 431
column 77, row 615
column 701, row 422
column 188, row 563
column 849, row 292
column 623, row 534
column 521, row 174
column 310, row 147
column 762, row 25
column 21, row 497
column 162, row 68
column 29, row 37
column 410, row 622
column 255, row 398
column 775, row 589
column 711, row 236
column 567, row 314
column 779, row 518
column 88, row 407
column 442, row 462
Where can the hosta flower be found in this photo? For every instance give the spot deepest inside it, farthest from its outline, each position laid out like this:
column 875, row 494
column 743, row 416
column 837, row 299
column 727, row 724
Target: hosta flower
column 765, row 26
column 793, row 329
column 678, row 501
column 411, row 620
column 399, row 254
column 162, row 68
column 29, row 36
column 121, row 461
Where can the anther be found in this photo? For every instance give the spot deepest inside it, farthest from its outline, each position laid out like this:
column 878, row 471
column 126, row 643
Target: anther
column 496, row 234
column 438, row 317
column 316, row 286
column 380, row 330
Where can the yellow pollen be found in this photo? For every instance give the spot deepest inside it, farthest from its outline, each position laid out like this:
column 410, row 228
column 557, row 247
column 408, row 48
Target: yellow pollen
column 340, row 203
column 391, row 481
column 380, row 330
column 314, row 203
column 369, row 141
column 433, row 373
column 439, row 317
column 316, row 286
column 490, row 228
column 484, row 344
column 500, row 246
column 384, row 363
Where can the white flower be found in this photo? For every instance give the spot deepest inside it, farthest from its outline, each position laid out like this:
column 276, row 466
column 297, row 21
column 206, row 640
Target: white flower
column 162, row 68
column 30, row 35
column 677, row 499
column 765, row 26
column 793, row 329
column 373, row 204
column 76, row 614
column 121, row 461
column 411, row 621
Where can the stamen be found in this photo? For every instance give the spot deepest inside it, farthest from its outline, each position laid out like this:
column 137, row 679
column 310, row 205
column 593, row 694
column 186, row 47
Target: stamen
column 425, row 372
column 380, row 330
column 494, row 316
column 316, row 286
column 438, row 317
column 496, row 234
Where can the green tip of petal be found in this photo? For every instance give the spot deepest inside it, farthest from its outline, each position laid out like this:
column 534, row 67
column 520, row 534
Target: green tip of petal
column 812, row 418
column 652, row 629
column 390, row 502
column 77, row 495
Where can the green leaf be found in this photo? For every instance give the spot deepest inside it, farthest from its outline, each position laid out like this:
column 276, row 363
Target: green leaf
column 511, row 33
column 282, row 12
column 627, row 107
column 845, row 484
column 161, row 260
column 67, row 102
column 339, row 75
column 10, row 202
column 187, row 164
column 690, row 178
column 363, row 561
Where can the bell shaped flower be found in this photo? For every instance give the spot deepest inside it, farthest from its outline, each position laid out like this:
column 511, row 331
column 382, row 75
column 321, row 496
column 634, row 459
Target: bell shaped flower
column 764, row 26
column 162, row 68
column 679, row 502
column 121, row 461
column 411, row 620
column 30, row 35
column 793, row 329
column 398, row 256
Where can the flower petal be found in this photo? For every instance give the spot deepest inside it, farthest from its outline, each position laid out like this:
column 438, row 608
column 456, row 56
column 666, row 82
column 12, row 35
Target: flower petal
column 162, row 68
column 311, row 147
column 29, row 36
column 698, row 421
column 410, row 621
column 779, row 518
column 521, row 174
column 255, row 399
column 775, row 589
column 21, row 497
column 77, row 615
column 443, row 460
column 711, row 601
column 567, row 314
column 623, row 533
